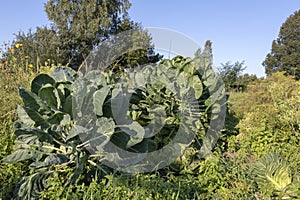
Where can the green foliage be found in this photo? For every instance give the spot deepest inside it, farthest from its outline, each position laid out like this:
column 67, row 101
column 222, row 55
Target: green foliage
column 270, row 123
column 53, row 158
column 9, row 173
column 41, row 130
column 80, row 26
column 217, row 178
column 229, row 72
column 284, row 55
column 274, row 178
column 68, row 120
column 13, row 73
column 19, row 58
column 271, row 117
column 244, row 80
column 40, row 47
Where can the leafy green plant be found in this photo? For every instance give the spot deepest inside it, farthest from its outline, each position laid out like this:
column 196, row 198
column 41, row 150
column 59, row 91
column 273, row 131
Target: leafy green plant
column 274, row 178
column 69, row 121
column 41, row 130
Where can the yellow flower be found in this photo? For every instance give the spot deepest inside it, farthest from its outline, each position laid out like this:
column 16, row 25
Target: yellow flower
column 30, row 65
column 19, row 45
column 26, row 57
column 11, row 50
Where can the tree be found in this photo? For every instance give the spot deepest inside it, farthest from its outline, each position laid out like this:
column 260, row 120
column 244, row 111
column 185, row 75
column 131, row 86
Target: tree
column 230, row 73
column 80, row 26
column 246, row 79
column 40, row 46
column 285, row 52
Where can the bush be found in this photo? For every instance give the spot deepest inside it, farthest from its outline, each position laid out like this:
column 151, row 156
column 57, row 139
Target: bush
column 269, row 133
column 272, row 121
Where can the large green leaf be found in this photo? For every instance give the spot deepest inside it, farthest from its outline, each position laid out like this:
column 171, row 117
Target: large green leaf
column 29, row 187
column 33, row 102
column 56, row 118
column 63, row 74
column 196, row 84
column 24, row 119
column 120, row 104
column 147, row 145
column 64, row 90
column 39, row 134
column 52, row 159
column 39, row 81
column 37, row 118
column 67, row 105
column 105, row 126
column 135, row 131
column 76, row 131
column 99, row 98
column 95, row 78
column 20, row 155
column 96, row 137
column 50, row 95
column 105, row 130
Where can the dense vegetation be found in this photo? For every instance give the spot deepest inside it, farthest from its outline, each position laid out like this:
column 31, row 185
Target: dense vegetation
column 45, row 154
column 80, row 26
column 256, row 157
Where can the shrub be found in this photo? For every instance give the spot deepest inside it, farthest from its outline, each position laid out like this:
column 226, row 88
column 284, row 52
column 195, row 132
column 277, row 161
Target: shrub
column 272, row 123
column 269, row 135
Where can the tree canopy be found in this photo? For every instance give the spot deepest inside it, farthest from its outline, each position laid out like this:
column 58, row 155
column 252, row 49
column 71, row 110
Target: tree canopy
column 230, row 72
column 285, row 52
column 78, row 27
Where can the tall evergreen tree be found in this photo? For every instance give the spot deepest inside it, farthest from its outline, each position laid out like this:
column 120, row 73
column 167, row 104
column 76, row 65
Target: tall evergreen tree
column 285, row 52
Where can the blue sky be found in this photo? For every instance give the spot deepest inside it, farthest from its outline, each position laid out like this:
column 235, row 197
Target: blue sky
column 241, row 30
